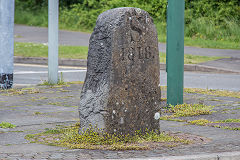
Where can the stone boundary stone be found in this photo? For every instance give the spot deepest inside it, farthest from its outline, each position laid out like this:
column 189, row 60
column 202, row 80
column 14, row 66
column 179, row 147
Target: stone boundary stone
column 121, row 92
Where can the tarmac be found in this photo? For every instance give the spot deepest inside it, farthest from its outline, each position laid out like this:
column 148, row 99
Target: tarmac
column 35, row 109
column 22, row 33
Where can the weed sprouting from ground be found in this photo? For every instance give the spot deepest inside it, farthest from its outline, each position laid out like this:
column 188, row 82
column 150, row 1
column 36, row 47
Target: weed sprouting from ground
column 7, row 125
column 38, row 113
column 60, row 82
column 93, row 138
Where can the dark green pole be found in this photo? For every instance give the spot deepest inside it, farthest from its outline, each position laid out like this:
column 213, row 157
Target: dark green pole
column 175, row 51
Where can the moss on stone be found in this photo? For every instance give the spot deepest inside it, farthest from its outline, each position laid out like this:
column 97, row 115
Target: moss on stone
column 93, row 138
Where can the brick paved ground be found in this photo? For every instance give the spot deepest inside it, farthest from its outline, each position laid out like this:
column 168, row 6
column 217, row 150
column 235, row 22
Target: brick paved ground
column 35, row 109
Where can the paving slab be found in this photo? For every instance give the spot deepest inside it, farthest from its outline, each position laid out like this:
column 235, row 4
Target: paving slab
column 231, row 64
column 27, row 148
column 34, row 112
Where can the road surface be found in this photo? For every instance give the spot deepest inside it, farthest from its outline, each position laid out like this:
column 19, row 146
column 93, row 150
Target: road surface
column 40, row 35
column 37, row 74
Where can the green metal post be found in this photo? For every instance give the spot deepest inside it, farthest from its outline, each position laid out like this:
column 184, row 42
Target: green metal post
column 175, row 51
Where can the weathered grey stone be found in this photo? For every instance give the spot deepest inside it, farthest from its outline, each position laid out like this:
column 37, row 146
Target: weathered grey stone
column 6, row 81
column 6, row 43
column 121, row 92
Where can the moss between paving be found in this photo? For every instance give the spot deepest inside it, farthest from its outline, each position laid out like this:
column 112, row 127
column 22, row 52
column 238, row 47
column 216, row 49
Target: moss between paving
column 44, row 105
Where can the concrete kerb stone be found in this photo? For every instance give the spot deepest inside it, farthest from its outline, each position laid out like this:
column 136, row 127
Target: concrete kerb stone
column 202, row 68
column 213, row 156
column 44, row 61
column 83, row 63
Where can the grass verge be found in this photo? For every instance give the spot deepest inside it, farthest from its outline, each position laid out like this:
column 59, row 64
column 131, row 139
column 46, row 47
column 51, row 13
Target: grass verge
column 80, row 52
column 201, row 32
column 205, row 43
column 41, row 50
column 94, row 138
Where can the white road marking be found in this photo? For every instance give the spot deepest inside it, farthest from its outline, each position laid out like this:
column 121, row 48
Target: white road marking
column 45, row 66
column 44, row 72
column 30, row 65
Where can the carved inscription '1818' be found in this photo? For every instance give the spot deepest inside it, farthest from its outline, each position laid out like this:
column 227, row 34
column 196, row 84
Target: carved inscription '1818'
column 121, row 92
column 136, row 53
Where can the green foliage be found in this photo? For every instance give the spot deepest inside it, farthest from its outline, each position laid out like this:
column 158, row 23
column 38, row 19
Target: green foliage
column 84, row 14
column 30, row 4
column 217, row 11
column 31, row 12
column 216, row 20
column 38, row 4
column 204, row 19
column 7, row 125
